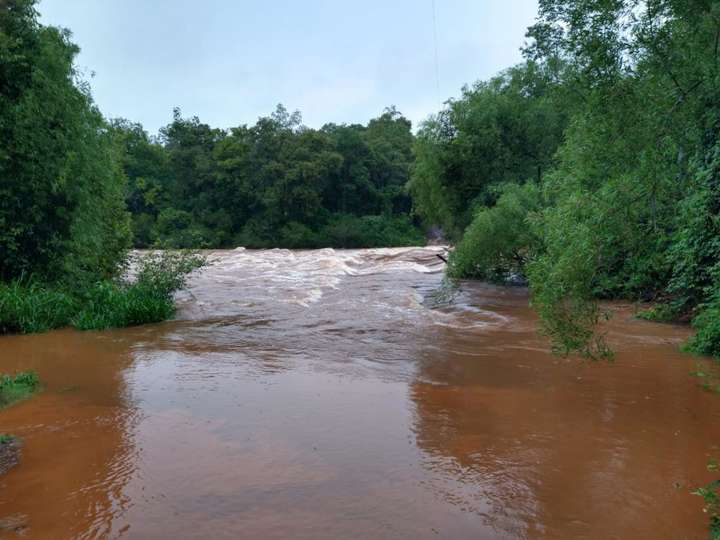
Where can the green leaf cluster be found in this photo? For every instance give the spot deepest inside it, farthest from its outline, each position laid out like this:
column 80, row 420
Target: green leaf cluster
column 273, row 184
column 18, row 387
column 618, row 107
column 62, row 211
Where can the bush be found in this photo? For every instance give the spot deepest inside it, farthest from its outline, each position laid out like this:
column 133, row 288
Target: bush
column 178, row 229
column 148, row 299
column 112, row 305
column 664, row 313
column 6, row 439
column 297, row 236
column 34, row 307
column 339, row 231
column 256, row 234
column 16, row 388
column 27, row 307
column 499, row 241
column 707, row 325
column 711, row 497
column 348, row 231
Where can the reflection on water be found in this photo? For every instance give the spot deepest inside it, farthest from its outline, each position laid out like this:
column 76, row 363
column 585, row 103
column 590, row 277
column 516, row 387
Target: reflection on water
column 318, row 394
column 78, row 451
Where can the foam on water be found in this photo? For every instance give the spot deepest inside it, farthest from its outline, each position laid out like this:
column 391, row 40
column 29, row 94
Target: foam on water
column 300, row 278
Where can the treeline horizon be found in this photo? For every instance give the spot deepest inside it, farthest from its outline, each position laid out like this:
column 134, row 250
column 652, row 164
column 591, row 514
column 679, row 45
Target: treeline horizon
column 276, row 183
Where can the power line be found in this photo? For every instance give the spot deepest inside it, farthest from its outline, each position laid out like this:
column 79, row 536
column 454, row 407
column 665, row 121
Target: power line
column 435, row 41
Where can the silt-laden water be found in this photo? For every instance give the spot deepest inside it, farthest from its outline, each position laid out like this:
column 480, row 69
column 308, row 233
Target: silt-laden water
column 337, row 394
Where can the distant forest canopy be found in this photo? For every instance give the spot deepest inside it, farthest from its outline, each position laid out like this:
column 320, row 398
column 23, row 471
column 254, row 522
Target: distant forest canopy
column 273, row 184
column 504, row 130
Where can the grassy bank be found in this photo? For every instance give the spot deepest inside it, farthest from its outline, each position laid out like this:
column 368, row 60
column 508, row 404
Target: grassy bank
column 30, row 306
column 14, row 388
column 18, row 387
column 711, row 498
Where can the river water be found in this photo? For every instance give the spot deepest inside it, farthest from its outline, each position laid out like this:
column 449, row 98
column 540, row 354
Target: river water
column 347, row 394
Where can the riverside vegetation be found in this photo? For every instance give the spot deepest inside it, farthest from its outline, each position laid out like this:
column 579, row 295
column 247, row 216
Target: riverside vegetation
column 13, row 389
column 18, row 387
column 78, row 190
column 592, row 169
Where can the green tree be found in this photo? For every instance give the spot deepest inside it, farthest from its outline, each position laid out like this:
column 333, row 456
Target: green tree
column 648, row 74
column 61, row 189
column 275, row 183
column 504, row 130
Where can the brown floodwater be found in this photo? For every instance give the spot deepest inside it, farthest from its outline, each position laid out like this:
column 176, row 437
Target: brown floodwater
column 340, row 394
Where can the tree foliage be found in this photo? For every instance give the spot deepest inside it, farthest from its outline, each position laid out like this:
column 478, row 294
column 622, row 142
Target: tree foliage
column 62, row 212
column 498, row 243
column 627, row 201
column 273, row 184
column 649, row 74
column 504, row 130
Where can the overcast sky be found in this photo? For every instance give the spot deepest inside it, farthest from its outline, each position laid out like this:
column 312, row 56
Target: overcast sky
column 230, row 61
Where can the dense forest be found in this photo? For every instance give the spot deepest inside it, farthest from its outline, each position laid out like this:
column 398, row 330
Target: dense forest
column 593, row 168
column 274, row 184
column 77, row 189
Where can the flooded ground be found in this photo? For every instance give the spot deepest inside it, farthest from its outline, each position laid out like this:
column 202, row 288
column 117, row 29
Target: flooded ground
column 332, row 394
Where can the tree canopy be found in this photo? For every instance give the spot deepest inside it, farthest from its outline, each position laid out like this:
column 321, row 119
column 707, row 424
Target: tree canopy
column 276, row 183
column 623, row 130
column 62, row 210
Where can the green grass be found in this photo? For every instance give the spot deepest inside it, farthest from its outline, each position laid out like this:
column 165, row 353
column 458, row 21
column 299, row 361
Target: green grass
column 28, row 306
column 18, row 387
column 148, row 299
column 109, row 305
column 6, row 439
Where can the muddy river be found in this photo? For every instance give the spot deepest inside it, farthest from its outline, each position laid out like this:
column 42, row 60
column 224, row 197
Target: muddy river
column 338, row 394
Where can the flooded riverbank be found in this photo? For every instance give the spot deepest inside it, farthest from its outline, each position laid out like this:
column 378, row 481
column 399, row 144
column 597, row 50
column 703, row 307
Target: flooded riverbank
column 323, row 394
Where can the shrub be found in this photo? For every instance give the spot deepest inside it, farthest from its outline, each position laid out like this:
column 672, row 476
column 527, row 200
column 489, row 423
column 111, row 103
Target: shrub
column 499, row 241
column 711, row 497
column 178, row 229
column 707, row 325
column 348, row 231
column 387, row 231
column 660, row 313
column 6, row 439
column 113, row 305
column 256, row 234
column 28, row 307
column 147, row 299
column 297, row 236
